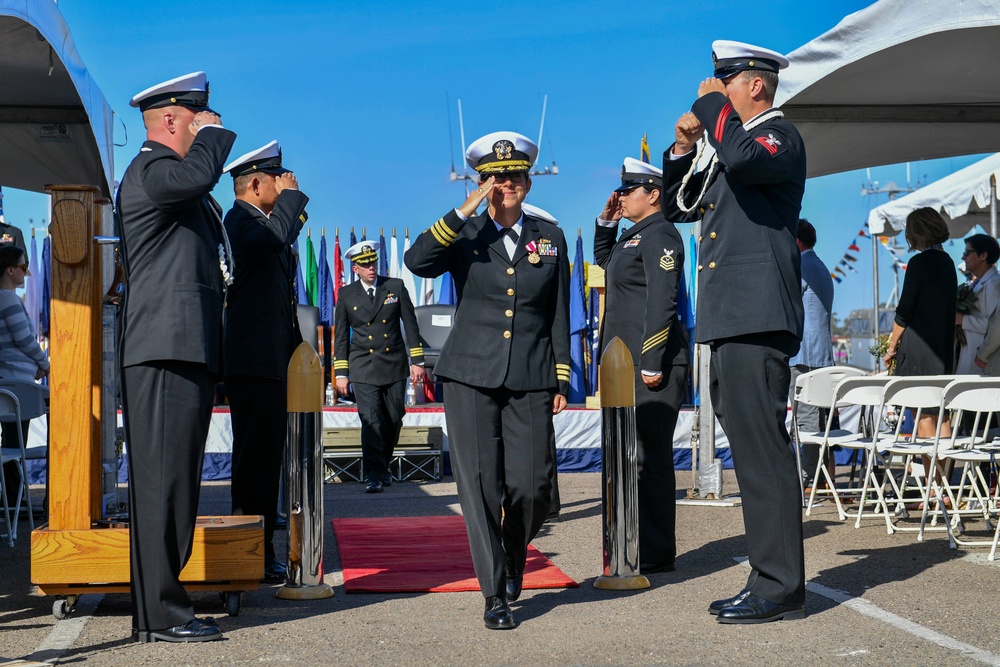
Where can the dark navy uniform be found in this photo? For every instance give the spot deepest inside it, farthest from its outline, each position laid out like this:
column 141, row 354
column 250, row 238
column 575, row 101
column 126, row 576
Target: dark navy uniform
column 369, row 348
column 642, row 274
column 171, row 357
column 505, row 359
column 750, row 313
column 262, row 332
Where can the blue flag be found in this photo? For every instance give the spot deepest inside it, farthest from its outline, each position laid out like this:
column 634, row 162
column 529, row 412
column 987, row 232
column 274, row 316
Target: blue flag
column 325, row 286
column 593, row 339
column 300, row 285
column 43, row 306
column 577, row 328
column 383, row 255
column 448, row 294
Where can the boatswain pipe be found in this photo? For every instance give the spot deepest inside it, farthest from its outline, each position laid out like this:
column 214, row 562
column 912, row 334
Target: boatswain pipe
column 304, row 485
column 619, row 472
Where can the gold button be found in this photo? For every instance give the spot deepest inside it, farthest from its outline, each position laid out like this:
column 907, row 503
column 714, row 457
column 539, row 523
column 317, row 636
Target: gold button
column 510, row 271
column 700, row 239
column 711, row 206
column 506, row 334
column 383, row 321
column 369, row 324
column 386, row 349
column 385, row 335
column 711, row 265
column 369, row 337
column 371, row 351
column 510, row 292
column 699, row 267
column 509, row 313
column 355, row 307
column 701, row 210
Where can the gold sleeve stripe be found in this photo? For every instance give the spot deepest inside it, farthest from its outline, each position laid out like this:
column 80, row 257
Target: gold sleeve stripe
column 443, row 233
column 562, row 367
column 416, row 351
column 657, row 339
column 340, row 364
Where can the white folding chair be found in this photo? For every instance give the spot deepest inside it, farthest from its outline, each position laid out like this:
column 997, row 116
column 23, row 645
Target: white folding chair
column 865, row 392
column 979, row 396
column 10, row 411
column 815, row 389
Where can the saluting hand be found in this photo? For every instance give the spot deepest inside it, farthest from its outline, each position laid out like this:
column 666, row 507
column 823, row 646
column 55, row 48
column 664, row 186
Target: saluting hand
column 203, row 118
column 687, row 132
column 613, row 208
column 711, row 85
column 477, row 196
column 286, row 181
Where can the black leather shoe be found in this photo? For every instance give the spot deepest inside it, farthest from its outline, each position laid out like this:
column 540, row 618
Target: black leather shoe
column 274, row 572
column 514, row 583
column 719, row 605
column 655, row 568
column 498, row 615
column 192, row 631
column 387, row 479
column 374, row 486
column 754, row 609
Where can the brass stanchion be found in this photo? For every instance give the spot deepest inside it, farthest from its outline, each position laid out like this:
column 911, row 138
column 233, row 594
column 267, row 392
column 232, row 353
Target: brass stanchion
column 619, row 472
column 304, row 580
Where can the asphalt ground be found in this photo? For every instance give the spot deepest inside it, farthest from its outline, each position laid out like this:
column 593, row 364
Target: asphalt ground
column 874, row 599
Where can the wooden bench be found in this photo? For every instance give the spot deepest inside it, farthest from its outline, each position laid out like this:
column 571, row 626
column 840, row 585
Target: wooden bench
column 418, row 454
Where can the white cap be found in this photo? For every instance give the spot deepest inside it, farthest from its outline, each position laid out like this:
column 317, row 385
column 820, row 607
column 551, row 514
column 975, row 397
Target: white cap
column 501, row 152
column 363, row 252
column 636, row 173
column 536, row 212
column 190, row 90
column 731, row 57
column 265, row 159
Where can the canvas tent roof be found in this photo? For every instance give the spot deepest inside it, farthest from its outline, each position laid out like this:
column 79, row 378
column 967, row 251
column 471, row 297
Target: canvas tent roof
column 55, row 125
column 895, row 82
column 963, row 198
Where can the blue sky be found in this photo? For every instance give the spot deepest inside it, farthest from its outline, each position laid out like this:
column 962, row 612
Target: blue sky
column 357, row 95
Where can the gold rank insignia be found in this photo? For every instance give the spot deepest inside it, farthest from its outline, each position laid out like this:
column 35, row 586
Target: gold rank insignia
column 503, row 149
column 667, row 261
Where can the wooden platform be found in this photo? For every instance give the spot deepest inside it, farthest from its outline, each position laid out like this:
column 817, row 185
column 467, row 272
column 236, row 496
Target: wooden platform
column 228, row 554
column 418, row 454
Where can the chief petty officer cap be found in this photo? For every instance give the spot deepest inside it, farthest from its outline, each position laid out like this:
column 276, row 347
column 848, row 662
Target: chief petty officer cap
column 636, row 173
column 731, row 58
column 190, row 90
column 501, row 152
column 363, row 252
column 537, row 212
column 266, row 159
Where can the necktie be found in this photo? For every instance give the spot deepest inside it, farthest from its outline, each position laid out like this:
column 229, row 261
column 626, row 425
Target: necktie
column 511, row 234
column 371, row 293
column 510, row 245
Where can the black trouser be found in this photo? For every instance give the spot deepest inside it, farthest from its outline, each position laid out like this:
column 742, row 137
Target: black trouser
column 167, row 412
column 749, row 387
column 499, row 442
column 381, row 409
column 656, row 413
column 259, row 412
column 11, row 471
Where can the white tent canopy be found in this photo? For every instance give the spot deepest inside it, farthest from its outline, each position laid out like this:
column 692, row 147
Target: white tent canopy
column 55, row 125
column 898, row 81
column 964, row 198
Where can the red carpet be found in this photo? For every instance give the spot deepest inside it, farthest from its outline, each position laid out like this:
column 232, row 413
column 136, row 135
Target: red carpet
column 421, row 554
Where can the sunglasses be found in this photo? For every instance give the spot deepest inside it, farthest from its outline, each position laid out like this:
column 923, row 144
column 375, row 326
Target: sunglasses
column 514, row 176
column 23, row 267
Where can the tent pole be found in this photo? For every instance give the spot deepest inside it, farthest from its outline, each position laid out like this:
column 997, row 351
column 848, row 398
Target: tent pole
column 875, row 316
column 993, row 205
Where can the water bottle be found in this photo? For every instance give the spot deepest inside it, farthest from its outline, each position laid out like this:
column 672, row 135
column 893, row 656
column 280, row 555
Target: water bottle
column 331, row 399
column 411, row 393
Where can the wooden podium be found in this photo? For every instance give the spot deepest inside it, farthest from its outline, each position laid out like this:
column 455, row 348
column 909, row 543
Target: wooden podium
column 74, row 553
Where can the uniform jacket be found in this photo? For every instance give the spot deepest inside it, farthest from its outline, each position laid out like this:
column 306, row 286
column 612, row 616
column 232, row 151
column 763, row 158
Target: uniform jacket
column 749, row 277
column 262, row 326
column 368, row 343
column 511, row 325
column 642, row 273
column 170, row 230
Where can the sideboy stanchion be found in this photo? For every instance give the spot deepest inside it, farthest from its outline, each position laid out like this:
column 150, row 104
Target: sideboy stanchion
column 304, row 580
column 619, row 472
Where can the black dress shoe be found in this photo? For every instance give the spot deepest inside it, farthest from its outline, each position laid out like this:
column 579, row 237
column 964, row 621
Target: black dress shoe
column 192, row 631
column 274, row 572
column 374, row 486
column 719, row 605
column 387, row 479
column 754, row 609
column 514, row 583
column 498, row 615
column 655, row 568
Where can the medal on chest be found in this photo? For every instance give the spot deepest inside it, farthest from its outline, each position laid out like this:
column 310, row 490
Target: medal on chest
column 532, row 249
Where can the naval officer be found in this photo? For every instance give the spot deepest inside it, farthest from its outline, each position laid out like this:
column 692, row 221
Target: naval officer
column 371, row 355
column 262, row 331
column 177, row 263
column 506, row 362
column 750, row 304
column 642, row 269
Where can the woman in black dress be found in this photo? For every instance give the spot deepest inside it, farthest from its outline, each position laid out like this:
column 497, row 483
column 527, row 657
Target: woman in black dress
column 923, row 333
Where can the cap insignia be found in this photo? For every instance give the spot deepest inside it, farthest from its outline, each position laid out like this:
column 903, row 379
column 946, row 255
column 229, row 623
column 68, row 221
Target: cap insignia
column 503, row 149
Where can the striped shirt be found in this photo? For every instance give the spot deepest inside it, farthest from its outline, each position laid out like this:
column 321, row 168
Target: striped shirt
column 20, row 355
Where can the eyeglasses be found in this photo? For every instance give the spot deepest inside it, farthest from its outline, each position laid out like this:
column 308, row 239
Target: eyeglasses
column 514, row 176
column 23, row 267
column 966, row 253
